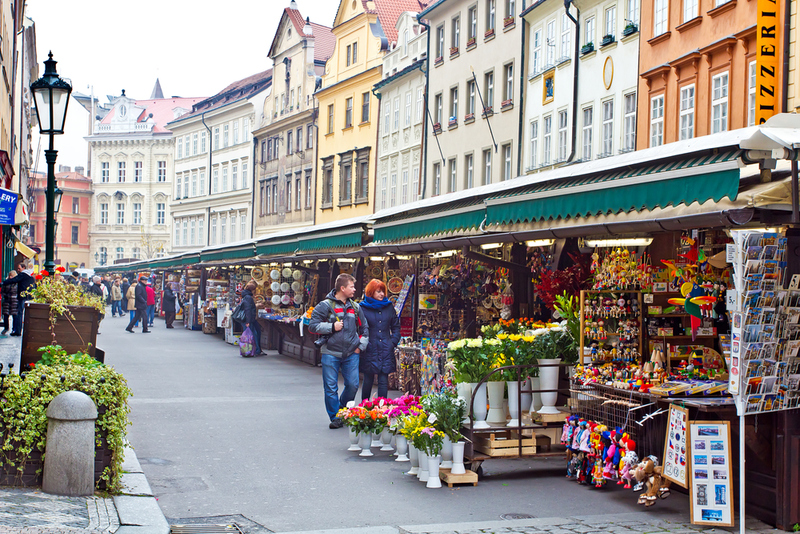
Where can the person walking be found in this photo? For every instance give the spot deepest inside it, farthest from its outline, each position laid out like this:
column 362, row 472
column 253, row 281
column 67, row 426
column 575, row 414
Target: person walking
column 130, row 295
column 251, row 314
column 97, row 288
column 168, row 305
column 346, row 330
column 384, row 335
column 124, row 285
column 116, row 299
column 9, row 305
column 140, row 305
column 24, row 281
column 151, row 302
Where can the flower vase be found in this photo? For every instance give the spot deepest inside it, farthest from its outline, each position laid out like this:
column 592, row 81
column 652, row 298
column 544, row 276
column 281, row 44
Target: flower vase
column 413, row 456
column 433, row 473
column 402, row 449
column 548, row 379
column 423, row 466
column 464, row 391
column 527, row 398
column 354, row 437
column 536, row 400
column 513, row 403
column 376, row 441
column 386, row 440
column 366, row 439
column 447, row 453
column 497, row 413
column 479, row 406
column 458, row 459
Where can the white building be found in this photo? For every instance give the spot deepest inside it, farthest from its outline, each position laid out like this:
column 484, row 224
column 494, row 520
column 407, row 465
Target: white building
column 601, row 121
column 215, row 207
column 132, row 158
column 402, row 116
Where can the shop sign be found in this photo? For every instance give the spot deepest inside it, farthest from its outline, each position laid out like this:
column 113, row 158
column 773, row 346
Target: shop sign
column 8, row 206
column 768, row 37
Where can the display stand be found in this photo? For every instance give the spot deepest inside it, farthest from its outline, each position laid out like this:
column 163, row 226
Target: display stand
column 611, row 315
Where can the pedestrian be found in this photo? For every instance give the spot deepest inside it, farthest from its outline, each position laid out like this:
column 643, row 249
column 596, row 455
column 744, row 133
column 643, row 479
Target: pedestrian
column 346, row 332
column 97, row 288
column 168, row 305
column 251, row 314
column 24, row 281
column 75, row 278
column 124, row 285
column 116, row 299
column 384, row 335
column 131, row 296
column 151, row 302
column 140, row 305
column 107, row 284
column 9, row 302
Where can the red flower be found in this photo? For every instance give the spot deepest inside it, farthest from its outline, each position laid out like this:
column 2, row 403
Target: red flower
column 45, row 273
column 38, row 277
column 61, row 269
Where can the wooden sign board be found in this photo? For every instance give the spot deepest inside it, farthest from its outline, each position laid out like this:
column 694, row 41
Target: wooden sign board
column 710, row 493
column 676, row 460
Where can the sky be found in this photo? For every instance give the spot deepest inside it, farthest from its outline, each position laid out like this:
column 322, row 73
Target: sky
column 195, row 49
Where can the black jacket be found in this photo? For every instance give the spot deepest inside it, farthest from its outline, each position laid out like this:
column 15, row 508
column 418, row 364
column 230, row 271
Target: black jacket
column 354, row 333
column 141, row 297
column 125, row 286
column 249, row 307
column 96, row 289
column 24, row 282
column 384, row 335
column 168, row 300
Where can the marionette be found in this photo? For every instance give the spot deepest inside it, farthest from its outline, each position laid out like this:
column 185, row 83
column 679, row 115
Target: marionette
column 609, row 470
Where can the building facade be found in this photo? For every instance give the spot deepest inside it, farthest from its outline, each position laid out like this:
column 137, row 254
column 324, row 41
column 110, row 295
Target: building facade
column 213, row 184
column 402, row 116
column 473, row 94
column 364, row 31
column 286, row 134
column 132, row 157
column 697, row 66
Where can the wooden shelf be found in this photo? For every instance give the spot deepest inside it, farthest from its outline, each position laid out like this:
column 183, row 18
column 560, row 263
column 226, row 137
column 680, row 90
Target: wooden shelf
column 599, row 291
column 688, row 337
column 668, row 315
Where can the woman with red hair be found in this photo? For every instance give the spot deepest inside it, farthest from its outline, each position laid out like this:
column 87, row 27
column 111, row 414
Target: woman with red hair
column 384, row 335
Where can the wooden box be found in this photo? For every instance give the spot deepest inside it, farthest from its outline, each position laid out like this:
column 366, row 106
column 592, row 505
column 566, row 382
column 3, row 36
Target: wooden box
column 503, row 443
column 78, row 334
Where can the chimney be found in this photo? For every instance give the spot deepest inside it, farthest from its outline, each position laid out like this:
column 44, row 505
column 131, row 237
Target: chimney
column 79, row 170
column 64, row 168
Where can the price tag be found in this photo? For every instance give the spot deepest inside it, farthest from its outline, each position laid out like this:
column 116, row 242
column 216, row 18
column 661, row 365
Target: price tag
column 731, row 299
column 730, row 252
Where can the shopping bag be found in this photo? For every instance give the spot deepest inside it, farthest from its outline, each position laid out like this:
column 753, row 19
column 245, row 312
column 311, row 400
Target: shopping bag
column 247, row 344
column 238, row 314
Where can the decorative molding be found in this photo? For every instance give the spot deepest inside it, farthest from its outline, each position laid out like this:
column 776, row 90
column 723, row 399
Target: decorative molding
column 660, row 38
column 691, row 23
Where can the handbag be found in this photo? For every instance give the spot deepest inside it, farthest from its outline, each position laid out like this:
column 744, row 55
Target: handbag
column 238, row 314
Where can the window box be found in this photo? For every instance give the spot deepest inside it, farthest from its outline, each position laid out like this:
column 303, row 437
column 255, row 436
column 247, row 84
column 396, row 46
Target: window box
column 471, row 42
column 275, row 115
column 487, row 112
column 505, row 104
column 488, row 34
column 587, row 48
column 437, row 127
column 630, row 29
column 438, row 61
column 607, row 40
column 469, row 117
column 452, row 123
column 453, row 51
column 508, row 21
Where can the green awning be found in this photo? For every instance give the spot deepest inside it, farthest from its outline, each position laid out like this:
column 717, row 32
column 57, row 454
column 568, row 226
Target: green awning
column 457, row 216
column 699, row 180
column 276, row 249
column 322, row 241
column 242, row 253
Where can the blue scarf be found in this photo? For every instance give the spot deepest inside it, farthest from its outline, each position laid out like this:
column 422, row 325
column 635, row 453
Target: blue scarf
column 374, row 304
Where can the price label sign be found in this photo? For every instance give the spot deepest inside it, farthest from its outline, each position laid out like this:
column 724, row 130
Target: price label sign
column 730, row 252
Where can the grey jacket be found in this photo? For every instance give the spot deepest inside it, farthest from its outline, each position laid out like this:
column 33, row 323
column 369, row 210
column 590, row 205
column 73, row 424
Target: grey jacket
column 345, row 341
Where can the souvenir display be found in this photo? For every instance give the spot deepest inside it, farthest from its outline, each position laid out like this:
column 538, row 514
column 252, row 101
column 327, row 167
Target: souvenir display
column 275, row 274
column 711, row 473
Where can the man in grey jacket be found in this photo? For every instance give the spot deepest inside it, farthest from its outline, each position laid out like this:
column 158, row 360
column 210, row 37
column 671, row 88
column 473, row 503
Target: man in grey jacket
column 342, row 322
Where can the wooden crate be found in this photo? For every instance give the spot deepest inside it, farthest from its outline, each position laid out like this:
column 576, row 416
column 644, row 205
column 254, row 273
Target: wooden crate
column 503, row 443
column 470, row 477
column 78, row 334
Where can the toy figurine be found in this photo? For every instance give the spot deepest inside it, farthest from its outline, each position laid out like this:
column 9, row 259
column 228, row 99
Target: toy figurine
column 657, row 486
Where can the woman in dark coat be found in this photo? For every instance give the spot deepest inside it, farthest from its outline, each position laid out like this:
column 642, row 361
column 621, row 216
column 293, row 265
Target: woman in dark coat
column 384, row 335
column 10, row 304
column 251, row 313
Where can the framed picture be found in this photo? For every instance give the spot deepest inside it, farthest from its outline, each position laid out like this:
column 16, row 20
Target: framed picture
column 676, row 447
column 549, row 87
column 710, row 477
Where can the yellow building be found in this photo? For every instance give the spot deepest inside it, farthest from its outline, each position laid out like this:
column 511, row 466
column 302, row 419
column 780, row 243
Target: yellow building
column 348, row 111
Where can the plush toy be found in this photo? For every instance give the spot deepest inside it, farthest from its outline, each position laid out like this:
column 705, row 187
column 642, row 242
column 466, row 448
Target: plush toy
column 657, row 486
column 628, row 464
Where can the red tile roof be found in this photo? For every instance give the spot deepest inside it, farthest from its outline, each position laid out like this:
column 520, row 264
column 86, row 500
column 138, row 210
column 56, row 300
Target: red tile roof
column 243, row 88
column 389, row 12
column 324, row 42
column 161, row 109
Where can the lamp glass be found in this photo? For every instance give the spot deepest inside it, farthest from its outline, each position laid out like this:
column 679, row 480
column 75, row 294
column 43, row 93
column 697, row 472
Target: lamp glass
column 51, row 108
column 59, row 193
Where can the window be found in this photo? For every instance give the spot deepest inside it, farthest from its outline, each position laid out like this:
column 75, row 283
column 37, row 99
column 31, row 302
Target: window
column 348, row 112
column 396, row 114
column 104, row 172
column 161, row 213
column 384, row 192
column 419, row 104
column 469, row 171
column 233, row 226
column 629, row 128
column 216, row 138
column 180, row 147
column 440, row 41
column 751, row 94
column 103, row 251
column 288, row 190
column 309, row 138
column 76, row 205
column 194, row 185
column 346, row 182
column 275, row 195
column 263, row 197
column 387, row 118
column 510, row 8
column 719, row 103
column 225, row 136
column 588, row 117
column 202, row 182
column 414, row 184
column 215, row 181
column 224, row 178
column 506, row 162
column 438, row 109
column 223, row 230
column 355, row 52
column 104, row 213
column 562, row 136
column 266, row 148
column 551, row 43
column 120, row 171
column 437, row 179
column 243, row 230
column 289, row 143
column 589, row 34
column 236, row 132
column 348, row 61
column 536, row 61
column 362, row 186
column 76, row 228
column 136, row 253
column 611, row 21
column 137, row 213
column 185, row 232
column 308, row 189
column 472, row 31
column 454, row 104
column 186, row 186
column 407, row 121
column 120, row 213
column 187, row 144
column 489, row 91
column 657, row 121
column 547, row 136
column 453, row 186
column 490, row 15
column 327, row 180
column 201, row 231
column 120, row 253
column 405, row 43
column 632, row 11
column 534, row 143
column 234, row 177
column 298, row 194
column 246, row 129
column 203, row 142
column 330, row 118
column 487, row 166
column 608, row 128
column 687, row 112
column 455, row 35
column 660, row 16
column 393, row 186
column 177, row 225
column 192, row 227
column 213, row 230
column 364, row 107
column 178, row 186
column 162, row 171
column 689, row 10
column 471, row 97
column 566, row 36
column 404, row 188
column 508, row 91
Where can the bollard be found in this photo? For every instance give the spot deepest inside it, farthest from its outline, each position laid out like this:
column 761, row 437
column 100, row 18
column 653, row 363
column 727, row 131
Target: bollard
column 69, row 453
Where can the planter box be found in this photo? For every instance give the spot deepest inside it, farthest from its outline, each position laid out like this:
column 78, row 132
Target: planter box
column 587, row 48
column 79, row 334
column 630, row 30
column 607, row 40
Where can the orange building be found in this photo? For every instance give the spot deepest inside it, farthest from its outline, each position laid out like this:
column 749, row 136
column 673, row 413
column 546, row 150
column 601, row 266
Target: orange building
column 72, row 220
column 697, row 65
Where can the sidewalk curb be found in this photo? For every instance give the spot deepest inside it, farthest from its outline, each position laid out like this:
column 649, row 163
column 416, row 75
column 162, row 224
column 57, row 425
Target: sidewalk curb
column 137, row 508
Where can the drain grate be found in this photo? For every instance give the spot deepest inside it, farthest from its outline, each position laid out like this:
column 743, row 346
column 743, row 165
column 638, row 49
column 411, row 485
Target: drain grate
column 510, row 517
column 205, row 529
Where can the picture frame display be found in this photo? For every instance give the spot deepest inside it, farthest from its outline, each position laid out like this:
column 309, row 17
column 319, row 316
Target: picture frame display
column 676, row 448
column 710, row 493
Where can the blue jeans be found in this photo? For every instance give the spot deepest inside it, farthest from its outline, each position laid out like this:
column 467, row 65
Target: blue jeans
column 331, row 365
column 116, row 308
column 151, row 314
column 133, row 314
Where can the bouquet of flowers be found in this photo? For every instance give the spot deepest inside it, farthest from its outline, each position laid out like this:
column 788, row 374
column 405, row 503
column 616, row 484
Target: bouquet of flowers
column 449, row 411
column 427, row 438
column 412, row 422
column 368, row 417
column 399, row 408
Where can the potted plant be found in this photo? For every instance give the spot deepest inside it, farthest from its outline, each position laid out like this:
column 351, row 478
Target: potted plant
column 551, row 343
column 607, row 40
column 471, row 41
column 449, row 411
column 453, row 50
column 587, row 48
column 508, row 21
column 429, row 441
column 567, row 309
column 630, row 29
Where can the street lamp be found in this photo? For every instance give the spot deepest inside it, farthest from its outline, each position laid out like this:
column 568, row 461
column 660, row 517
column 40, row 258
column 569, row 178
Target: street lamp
column 51, row 94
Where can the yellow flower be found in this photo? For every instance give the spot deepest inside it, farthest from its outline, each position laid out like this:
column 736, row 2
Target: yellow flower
column 528, row 339
column 502, row 336
column 514, row 337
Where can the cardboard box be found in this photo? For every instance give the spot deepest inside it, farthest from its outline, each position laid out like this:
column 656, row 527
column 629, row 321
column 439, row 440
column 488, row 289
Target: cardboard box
column 665, row 332
column 655, row 310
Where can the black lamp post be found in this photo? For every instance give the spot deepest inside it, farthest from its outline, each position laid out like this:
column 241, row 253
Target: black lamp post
column 51, row 94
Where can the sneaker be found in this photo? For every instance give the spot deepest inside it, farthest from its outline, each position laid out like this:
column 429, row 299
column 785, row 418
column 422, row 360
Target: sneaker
column 4, row 332
column 336, row 423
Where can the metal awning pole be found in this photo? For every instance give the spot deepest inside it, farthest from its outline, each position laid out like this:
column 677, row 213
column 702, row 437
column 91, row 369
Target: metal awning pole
column 795, row 195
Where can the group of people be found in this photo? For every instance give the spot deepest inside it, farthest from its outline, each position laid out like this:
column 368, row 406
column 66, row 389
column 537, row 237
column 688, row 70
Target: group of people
column 141, row 303
column 357, row 337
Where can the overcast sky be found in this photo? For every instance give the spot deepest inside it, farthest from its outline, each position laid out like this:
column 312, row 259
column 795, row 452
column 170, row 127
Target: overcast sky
column 195, row 48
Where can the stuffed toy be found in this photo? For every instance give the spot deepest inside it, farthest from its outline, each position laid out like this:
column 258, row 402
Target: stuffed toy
column 657, row 486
